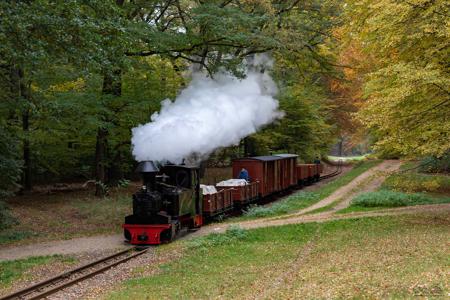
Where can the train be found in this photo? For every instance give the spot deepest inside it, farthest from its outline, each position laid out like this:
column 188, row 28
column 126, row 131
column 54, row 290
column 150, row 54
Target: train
column 172, row 198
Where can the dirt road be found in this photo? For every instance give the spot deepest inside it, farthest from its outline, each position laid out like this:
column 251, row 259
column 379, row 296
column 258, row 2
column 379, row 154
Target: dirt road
column 66, row 247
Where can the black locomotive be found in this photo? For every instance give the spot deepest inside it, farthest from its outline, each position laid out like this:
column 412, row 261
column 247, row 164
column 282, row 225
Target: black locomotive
column 169, row 200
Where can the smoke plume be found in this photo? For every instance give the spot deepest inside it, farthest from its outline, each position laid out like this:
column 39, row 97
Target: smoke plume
column 207, row 115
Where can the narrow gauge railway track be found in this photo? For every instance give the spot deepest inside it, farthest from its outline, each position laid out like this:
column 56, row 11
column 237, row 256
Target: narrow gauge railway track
column 52, row 285
column 334, row 173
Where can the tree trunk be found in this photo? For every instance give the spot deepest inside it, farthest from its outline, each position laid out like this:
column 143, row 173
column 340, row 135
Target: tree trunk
column 24, row 92
column 112, row 85
column 26, row 174
column 100, row 161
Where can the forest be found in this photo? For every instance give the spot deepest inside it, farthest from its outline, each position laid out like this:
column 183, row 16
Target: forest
column 76, row 76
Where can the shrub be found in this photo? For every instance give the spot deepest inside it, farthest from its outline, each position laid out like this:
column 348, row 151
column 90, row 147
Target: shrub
column 411, row 182
column 10, row 165
column 233, row 233
column 436, row 165
column 281, row 207
column 6, row 218
column 394, row 199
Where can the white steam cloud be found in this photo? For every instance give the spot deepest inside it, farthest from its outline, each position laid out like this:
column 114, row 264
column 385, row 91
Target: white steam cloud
column 207, row 115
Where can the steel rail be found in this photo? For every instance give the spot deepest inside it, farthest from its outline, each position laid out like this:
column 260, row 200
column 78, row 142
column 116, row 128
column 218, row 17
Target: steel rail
column 51, row 286
column 334, row 173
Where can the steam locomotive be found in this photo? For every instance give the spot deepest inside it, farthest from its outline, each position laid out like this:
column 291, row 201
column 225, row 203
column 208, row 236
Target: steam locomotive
column 171, row 197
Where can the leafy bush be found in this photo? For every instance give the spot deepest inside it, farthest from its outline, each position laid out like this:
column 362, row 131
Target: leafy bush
column 10, row 165
column 233, row 233
column 436, row 165
column 12, row 235
column 411, row 182
column 281, row 207
column 385, row 198
column 6, row 218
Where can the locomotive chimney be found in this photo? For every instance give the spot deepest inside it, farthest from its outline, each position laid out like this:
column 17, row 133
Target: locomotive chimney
column 148, row 170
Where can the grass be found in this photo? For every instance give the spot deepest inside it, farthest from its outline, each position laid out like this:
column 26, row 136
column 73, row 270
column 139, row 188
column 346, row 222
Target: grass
column 8, row 236
column 386, row 199
column 348, row 158
column 384, row 257
column 304, row 199
column 13, row 270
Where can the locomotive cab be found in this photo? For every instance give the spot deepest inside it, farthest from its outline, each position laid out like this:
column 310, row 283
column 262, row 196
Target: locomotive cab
column 169, row 200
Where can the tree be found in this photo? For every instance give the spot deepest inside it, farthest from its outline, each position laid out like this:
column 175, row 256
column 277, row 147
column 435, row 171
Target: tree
column 408, row 101
column 302, row 67
column 211, row 35
column 36, row 34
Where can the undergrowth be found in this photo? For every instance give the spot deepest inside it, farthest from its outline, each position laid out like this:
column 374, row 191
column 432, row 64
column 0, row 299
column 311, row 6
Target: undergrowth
column 416, row 182
column 386, row 198
column 8, row 236
column 6, row 217
column 233, row 233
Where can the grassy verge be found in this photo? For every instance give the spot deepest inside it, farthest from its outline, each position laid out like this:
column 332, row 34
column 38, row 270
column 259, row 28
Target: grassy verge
column 348, row 158
column 385, row 257
column 11, row 271
column 304, row 199
column 386, row 199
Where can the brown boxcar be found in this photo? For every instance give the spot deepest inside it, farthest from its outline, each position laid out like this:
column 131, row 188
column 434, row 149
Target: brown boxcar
column 243, row 194
column 288, row 170
column 308, row 172
column 302, row 172
column 218, row 202
column 274, row 173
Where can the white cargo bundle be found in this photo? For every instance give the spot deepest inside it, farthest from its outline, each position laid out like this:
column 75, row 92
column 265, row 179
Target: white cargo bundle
column 233, row 182
column 208, row 189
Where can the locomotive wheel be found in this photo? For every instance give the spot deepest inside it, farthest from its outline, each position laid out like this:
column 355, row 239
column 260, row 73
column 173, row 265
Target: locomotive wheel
column 127, row 235
column 169, row 234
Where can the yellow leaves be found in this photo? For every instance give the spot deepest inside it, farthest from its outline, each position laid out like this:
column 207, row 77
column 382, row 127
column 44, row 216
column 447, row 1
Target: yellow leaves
column 74, row 85
column 412, row 183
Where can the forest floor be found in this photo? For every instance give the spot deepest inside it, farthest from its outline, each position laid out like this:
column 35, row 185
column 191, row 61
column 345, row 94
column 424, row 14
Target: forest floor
column 322, row 212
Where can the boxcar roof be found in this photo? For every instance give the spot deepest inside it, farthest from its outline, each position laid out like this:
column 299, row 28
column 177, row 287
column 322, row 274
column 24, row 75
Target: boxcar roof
column 268, row 157
column 287, row 155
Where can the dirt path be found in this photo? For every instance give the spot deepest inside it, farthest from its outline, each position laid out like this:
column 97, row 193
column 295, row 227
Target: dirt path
column 72, row 246
column 329, row 216
column 366, row 182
